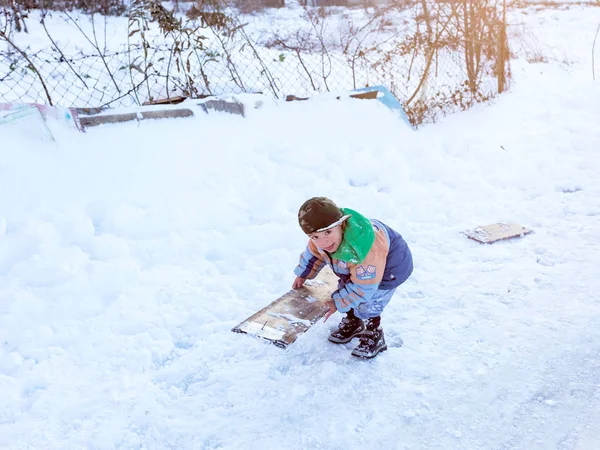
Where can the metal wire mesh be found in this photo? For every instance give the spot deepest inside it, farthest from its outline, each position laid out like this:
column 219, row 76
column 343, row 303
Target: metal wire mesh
column 130, row 76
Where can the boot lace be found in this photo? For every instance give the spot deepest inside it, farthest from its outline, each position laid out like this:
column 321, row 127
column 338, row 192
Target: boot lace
column 346, row 323
column 367, row 339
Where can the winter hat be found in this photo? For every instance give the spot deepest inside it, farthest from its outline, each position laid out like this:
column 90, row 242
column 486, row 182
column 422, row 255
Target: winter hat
column 319, row 214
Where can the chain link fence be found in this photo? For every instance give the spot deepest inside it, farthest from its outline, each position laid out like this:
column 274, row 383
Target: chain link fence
column 429, row 83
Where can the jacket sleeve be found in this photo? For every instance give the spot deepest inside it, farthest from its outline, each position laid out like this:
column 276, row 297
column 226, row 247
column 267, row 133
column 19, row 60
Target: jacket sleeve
column 364, row 281
column 311, row 262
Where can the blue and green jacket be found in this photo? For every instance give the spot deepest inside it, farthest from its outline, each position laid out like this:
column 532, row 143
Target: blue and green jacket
column 371, row 256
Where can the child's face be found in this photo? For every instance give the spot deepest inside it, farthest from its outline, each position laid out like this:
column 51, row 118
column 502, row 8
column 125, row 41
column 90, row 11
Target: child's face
column 328, row 240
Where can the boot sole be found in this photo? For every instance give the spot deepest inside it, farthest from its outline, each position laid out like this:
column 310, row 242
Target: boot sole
column 345, row 341
column 382, row 349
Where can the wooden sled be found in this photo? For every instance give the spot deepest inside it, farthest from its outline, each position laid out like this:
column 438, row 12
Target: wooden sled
column 496, row 232
column 284, row 320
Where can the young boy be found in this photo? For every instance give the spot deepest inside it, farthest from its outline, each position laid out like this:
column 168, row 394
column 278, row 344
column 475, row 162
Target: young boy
column 370, row 259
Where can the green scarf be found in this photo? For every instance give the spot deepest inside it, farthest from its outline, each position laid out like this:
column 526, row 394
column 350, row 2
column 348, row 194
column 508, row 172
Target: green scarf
column 358, row 239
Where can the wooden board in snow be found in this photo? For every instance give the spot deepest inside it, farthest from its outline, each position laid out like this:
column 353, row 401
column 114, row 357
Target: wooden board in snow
column 292, row 314
column 496, row 232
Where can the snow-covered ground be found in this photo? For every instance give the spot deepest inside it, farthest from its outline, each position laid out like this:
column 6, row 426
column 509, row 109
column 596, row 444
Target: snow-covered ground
column 128, row 253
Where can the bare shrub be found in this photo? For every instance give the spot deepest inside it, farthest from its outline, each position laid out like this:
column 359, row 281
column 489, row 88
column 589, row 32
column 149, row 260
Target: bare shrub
column 256, row 6
column 440, row 57
column 467, row 38
column 12, row 16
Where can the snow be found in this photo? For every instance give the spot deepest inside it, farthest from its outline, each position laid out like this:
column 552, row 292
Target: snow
column 291, row 318
column 128, row 253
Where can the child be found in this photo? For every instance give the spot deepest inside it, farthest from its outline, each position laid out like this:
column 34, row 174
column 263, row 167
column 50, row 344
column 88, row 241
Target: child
column 370, row 259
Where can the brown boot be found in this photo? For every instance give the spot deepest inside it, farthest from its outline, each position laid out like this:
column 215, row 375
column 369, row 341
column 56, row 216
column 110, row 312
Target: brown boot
column 372, row 340
column 350, row 327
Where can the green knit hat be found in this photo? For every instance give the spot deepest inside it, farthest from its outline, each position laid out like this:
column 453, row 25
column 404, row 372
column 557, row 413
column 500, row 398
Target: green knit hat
column 318, row 213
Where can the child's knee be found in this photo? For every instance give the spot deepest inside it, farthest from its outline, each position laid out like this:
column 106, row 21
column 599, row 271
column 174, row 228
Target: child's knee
column 365, row 311
column 374, row 307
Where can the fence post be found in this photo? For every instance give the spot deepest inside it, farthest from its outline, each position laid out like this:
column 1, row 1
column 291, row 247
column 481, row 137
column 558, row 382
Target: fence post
column 502, row 52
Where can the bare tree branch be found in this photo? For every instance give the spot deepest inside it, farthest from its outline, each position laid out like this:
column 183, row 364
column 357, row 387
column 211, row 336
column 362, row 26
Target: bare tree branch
column 62, row 55
column 95, row 45
column 33, row 67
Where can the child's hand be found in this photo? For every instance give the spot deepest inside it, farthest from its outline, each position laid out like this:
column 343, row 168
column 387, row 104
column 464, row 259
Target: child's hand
column 298, row 283
column 332, row 309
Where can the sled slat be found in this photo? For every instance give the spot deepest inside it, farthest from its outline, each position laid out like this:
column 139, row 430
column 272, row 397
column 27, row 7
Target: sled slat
column 284, row 320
